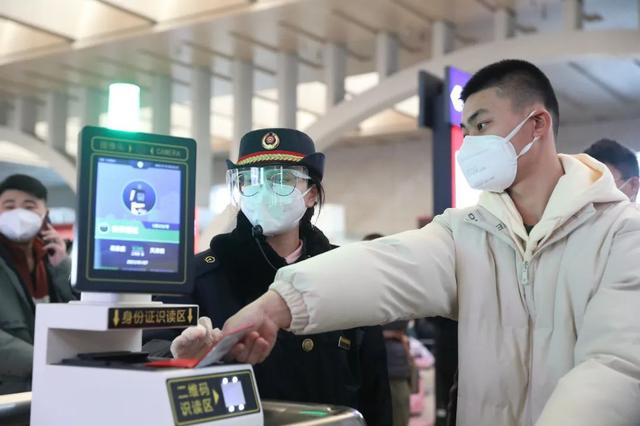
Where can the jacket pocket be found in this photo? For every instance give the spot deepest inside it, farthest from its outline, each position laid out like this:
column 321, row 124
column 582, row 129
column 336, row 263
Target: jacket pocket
column 7, row 324
column 17, row 328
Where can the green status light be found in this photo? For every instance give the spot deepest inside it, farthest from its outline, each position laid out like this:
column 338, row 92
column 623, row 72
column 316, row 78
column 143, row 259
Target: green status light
column 314, row 413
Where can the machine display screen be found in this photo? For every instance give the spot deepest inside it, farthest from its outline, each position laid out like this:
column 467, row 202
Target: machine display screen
column 135, row 228
column 137, row 215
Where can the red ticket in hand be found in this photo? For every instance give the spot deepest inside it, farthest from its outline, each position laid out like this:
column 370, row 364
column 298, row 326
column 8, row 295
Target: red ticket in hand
column 214, row 355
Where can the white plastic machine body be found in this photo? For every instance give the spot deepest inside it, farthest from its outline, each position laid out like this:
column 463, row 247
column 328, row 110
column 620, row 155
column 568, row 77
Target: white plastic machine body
column 69, row 395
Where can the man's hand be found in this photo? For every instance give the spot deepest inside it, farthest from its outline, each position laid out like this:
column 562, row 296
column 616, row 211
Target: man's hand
column 54, row 245
column 195, row 342
column 268, row 314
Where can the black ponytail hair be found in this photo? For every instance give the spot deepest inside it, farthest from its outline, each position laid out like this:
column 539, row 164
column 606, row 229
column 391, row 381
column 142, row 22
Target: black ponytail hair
column 305, row 222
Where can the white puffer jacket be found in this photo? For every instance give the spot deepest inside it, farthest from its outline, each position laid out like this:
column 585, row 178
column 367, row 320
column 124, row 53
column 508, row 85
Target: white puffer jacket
column 549, row 323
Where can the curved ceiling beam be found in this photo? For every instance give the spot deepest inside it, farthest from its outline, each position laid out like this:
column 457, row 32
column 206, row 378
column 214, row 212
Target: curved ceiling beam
column 538, row 48
column 57, row 161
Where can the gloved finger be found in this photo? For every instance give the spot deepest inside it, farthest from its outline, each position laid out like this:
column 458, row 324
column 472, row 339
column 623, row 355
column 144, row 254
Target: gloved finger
column 193, row 334
column 190, row 343
column 178, row 346
column 216, row 335
column 205, row 322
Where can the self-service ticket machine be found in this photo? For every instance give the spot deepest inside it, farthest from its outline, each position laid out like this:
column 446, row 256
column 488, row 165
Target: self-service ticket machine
column 135, row 238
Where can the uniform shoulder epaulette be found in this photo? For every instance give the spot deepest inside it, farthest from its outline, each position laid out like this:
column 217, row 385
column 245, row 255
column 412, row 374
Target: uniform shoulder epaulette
column 206, row 261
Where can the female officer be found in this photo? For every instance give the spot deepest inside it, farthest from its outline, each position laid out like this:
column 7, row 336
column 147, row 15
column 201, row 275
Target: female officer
column 277, row 184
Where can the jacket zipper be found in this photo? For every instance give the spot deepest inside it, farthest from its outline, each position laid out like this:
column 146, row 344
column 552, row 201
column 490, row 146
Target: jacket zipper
column 525, row 273
column 526, row 288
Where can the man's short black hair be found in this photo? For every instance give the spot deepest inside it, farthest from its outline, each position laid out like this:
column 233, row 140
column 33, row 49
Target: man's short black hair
column 522, row 81
column 613, row 153
column 24, row 183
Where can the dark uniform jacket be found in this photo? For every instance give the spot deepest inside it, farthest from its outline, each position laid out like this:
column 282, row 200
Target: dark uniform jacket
column 341, row 368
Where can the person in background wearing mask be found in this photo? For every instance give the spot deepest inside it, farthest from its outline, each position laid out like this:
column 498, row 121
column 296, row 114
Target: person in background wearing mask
column 621, row 161
column 542, row 274
column 34, row 268
column 277, row 184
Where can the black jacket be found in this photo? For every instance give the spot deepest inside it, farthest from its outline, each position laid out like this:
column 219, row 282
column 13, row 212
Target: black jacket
column 342, row 368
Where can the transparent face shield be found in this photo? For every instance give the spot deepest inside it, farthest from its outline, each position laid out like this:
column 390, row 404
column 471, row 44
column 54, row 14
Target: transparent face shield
column 278, row 181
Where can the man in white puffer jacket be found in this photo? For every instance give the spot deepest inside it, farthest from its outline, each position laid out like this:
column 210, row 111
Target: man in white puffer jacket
column 543, row 274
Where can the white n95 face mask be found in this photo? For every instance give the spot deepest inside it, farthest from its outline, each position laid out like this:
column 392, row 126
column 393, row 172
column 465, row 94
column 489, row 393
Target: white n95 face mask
column 275, row 213
column 490, row 162
column 20, row 225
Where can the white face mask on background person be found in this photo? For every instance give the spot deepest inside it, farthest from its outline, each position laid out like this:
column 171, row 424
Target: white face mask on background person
column 20, row 225
column 275, row 213
column 490, row 162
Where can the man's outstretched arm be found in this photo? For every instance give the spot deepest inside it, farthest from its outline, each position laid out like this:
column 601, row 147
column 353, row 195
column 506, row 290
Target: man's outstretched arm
column 407, row 275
